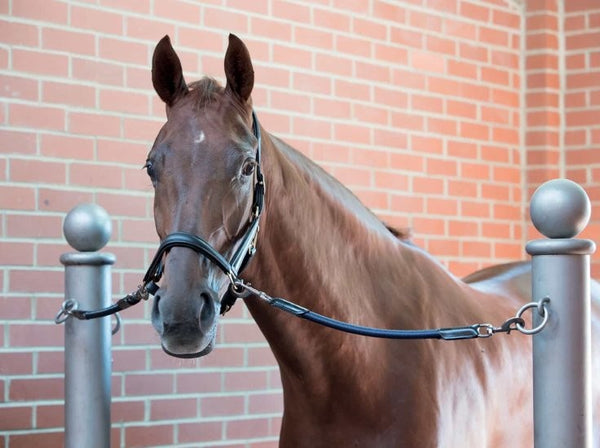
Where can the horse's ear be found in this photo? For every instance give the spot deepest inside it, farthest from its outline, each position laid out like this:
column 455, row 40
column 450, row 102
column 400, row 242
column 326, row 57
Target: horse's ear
column 167, row 74
column 238, row 69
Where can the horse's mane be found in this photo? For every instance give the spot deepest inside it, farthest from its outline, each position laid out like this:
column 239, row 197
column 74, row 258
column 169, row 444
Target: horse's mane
column 401, row 234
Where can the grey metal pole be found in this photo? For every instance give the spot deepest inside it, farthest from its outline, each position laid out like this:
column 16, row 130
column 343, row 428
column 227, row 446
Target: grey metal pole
column 560, row 209
column 87, row 228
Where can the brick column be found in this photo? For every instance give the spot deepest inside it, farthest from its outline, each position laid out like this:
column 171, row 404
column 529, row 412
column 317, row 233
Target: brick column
column 582, row 105
column 543, row 99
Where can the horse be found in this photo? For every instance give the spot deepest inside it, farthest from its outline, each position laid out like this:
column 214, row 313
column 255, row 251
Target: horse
column 317, row 245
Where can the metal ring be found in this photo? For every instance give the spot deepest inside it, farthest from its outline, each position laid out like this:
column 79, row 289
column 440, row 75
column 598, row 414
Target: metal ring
column 232, row 277
column 541, row 306
column 239, row 289
column 117, row 326
column 65, row 310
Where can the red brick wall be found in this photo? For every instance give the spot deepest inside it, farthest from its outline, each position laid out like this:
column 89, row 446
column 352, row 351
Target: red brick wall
column 442, row 115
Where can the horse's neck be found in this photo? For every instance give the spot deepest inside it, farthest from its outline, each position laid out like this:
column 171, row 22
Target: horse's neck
column 319, row 247
column 316, row 234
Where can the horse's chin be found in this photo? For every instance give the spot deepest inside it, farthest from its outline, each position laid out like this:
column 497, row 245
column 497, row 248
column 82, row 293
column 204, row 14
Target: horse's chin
column 187, row 355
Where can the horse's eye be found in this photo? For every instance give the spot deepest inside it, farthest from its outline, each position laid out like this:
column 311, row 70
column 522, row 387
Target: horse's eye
column 149, row 169
column 248, row 167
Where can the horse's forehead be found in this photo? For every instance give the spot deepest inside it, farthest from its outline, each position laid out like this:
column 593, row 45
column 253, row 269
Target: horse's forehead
column 182, row 130
column 215, row 121
column 195, row 130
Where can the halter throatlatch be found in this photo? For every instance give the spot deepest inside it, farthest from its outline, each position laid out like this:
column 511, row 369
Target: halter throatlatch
column 240, row 258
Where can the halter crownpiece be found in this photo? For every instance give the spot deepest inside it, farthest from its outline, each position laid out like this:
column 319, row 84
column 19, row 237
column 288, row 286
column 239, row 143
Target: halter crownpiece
column 240, row 258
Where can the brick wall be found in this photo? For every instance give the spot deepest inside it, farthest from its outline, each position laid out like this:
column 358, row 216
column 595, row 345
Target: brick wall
column 442, row 115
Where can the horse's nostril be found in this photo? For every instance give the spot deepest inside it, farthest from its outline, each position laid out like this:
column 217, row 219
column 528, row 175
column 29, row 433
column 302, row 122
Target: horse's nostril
column 155, row 315
column 207, row 311
column 155, row 310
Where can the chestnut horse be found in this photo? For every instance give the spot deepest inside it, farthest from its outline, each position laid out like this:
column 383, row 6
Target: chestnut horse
column 320, row 247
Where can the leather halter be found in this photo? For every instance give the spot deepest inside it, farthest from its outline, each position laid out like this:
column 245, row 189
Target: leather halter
column 240, row 258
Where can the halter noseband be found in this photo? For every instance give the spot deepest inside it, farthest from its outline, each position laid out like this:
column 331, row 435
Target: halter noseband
column 240, row 258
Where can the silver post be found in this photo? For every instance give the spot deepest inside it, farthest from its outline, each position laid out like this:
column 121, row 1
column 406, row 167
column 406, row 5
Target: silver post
column 87, row 229
column 560, row 209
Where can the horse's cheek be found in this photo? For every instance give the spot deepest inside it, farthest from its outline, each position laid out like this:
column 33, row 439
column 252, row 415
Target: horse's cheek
column 235, row 213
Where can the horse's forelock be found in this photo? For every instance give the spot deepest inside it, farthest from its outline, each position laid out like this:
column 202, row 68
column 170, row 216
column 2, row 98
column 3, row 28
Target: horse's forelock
column 205, row 91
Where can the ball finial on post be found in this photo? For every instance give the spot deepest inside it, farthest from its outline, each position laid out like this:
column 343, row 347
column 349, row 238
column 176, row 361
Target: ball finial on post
column 560, row 208
column 87, row 227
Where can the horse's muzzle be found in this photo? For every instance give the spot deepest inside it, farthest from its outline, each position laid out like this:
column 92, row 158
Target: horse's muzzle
column 187, row 328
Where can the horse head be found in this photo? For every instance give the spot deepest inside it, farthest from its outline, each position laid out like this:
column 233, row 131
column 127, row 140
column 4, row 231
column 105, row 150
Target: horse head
column 203, row 167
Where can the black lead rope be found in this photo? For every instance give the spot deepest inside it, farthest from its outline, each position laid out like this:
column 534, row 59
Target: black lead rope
column 454, row 333
column 448, row 334
column 70, row 307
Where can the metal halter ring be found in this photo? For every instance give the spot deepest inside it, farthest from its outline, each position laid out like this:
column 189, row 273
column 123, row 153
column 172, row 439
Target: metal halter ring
column 542, row 310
